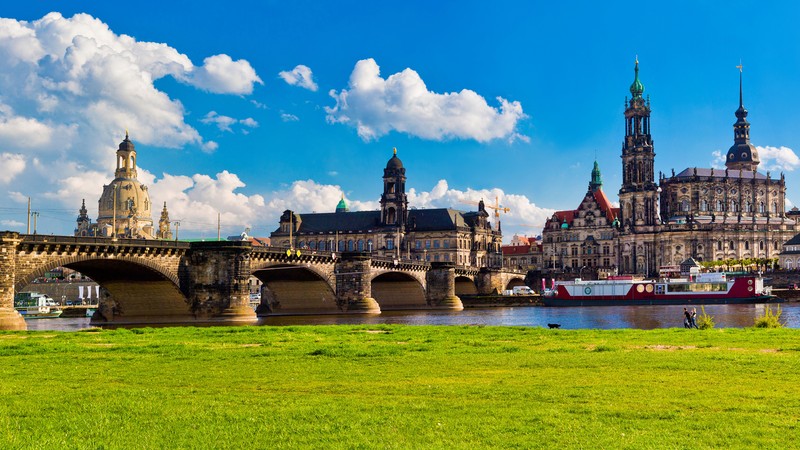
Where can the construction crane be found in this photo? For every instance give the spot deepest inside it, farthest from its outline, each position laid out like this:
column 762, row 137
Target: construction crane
column 497, row 209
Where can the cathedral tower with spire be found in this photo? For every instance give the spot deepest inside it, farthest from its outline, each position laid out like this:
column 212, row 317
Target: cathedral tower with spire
column 638, row 195
column 742, row 155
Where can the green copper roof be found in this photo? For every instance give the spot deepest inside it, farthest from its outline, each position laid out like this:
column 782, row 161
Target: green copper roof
column 637, row 88
column 597, row 180
column 342, row 206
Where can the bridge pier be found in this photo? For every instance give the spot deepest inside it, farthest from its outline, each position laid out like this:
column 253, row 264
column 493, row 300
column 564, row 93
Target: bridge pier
column 10, row 319
column 441, row 283
column 489, row 281
column 217, row 284
column 354, row 284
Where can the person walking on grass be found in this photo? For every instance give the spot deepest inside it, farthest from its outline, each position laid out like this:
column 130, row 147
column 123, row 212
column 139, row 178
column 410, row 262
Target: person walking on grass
column 687, row 318
column 694, row 318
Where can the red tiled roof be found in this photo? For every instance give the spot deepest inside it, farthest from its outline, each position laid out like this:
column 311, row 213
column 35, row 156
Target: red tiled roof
column 516, row 249
column 260, row 241
column 605, row 205
column 565, row 215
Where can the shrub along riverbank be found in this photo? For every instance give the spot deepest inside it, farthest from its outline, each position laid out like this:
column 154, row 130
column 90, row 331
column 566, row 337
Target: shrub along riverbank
column 400, row 387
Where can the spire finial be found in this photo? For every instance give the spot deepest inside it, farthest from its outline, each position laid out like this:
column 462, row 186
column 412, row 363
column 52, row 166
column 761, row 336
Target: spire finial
column 126, row 133
column 395, row 150
column 740, row 67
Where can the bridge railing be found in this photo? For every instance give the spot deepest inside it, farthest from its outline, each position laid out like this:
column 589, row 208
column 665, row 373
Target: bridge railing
column 85, row 240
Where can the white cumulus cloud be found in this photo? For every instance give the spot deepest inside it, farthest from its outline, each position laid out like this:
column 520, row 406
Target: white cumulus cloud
column 11, row 165
column 375, row 106
column 222, row 75
column 300, row 76
column 778, row 158
column 195, row 201
column 772, row 159
column 70, row 86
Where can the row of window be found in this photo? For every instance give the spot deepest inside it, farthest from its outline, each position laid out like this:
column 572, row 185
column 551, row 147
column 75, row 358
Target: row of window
column 731, row 245
column 733, row 206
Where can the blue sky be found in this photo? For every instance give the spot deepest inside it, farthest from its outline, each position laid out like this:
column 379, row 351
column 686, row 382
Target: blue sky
column 508, row 99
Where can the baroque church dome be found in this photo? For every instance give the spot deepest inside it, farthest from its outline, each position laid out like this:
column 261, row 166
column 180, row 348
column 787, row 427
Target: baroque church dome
column 125, row 202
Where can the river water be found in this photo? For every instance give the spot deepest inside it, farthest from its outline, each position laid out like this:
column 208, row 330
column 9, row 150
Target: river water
column 598, row 317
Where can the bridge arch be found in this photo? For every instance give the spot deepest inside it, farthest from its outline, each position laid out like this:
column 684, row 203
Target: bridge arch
column 136, row 290
column 514, row 282
column 397, row 291
column 465, row 286
column 294, row 289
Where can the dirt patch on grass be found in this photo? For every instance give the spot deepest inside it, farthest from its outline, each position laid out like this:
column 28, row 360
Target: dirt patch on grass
column 669, row 348
column 250, row 345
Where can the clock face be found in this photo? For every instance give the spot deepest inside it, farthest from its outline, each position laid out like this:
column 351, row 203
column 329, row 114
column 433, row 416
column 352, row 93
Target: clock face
column 684, row 190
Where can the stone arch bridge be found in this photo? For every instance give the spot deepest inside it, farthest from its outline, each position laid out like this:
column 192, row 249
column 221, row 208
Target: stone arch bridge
column 156, row 281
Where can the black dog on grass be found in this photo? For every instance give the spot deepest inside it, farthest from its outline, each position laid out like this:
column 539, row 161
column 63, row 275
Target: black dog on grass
column 554, row 325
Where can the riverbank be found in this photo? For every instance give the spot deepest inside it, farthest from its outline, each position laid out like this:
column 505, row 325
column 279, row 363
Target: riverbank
column 399, row 386
column 484, row 301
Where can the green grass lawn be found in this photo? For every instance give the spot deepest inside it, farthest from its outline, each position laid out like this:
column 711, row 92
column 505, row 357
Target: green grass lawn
column 400, row 387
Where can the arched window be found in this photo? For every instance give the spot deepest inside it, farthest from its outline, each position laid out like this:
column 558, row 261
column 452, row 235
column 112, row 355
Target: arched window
column 734, row 206
column 302, row 244
column 774, row 207
column 350, row 246
column 789, row 264
column 391, row 216
column 685, row 205
column 746, row 245
column 761, row 208
column 341, row 245
column 719, row 245
column 761, row 245
column 321, row 245
column 361, row 245
column 775, row 245
column 703, row 205
column 719, row 205
column 312, row 245
column 730, row 245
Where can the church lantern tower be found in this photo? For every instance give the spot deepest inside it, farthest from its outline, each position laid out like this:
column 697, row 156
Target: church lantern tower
column 164, row 231
column 394, row 203
column 84, row 222
column 638, row 195
column 742, row 155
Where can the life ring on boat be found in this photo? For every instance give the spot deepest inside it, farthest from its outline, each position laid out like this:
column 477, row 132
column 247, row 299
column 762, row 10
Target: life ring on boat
column 587, row 290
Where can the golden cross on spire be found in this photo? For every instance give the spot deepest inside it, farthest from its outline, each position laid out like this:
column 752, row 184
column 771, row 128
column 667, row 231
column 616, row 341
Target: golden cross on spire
column 395, row 150
column 740, row 66
column 637, row 59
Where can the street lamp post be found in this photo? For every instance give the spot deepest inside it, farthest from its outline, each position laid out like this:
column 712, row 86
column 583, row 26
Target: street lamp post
column 177, row 224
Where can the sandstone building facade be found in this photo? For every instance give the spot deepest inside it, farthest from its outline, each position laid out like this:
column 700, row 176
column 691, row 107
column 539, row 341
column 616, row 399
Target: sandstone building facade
column 396, row 231
column 703, row 213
